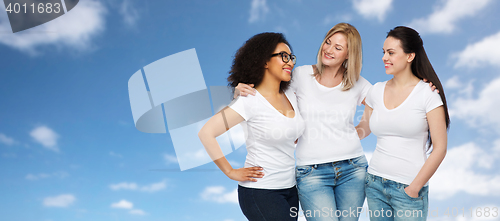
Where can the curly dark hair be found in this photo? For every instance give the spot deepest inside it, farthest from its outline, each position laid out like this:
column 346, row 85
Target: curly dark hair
column 250, row 59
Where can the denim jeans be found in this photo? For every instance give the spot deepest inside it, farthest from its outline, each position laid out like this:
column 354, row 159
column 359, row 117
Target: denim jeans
column 332, row 191
column 268, row 204
column 388, row 201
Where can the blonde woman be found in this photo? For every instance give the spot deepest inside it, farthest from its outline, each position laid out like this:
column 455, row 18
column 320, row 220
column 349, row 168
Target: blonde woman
column 330, row 163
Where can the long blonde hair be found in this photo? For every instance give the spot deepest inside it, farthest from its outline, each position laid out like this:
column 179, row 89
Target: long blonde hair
column 354, row 61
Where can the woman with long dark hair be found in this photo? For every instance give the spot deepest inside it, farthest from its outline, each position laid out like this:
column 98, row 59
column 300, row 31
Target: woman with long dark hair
column 266, row 189
column 408, row 118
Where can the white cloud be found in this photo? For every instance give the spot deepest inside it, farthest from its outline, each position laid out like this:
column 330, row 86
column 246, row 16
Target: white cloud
column 445, row 16
column 123, row 186
column 63, row 200
column 129, row 13
column 46, row 136
column 481, row 111
column 484, row 52
column 122, row 204
column 113, row 154
column 218, row 194
column 169, row 159
column 74, row 29
column 39, row 176
column 370, row 9
column 6, row 140
column 453, row 83
column 154, row 187
column 258, row 11
column 459, row 172
column 137, row 212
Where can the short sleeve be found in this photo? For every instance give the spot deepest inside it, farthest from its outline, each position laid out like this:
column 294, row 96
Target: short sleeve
column 369, row 97
column 298, row 75
column 293, row 82
column 432, row 100
column 365, row 86
column 241, row 105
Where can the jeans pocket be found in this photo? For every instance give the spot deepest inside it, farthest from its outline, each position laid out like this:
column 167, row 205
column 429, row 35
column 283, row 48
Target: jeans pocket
column 302, row 171
column 402, row 189
column 359, row 162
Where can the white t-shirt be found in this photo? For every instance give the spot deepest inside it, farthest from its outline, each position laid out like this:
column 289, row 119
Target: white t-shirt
column 270, row 140
column 329, row 113
column 401, row 132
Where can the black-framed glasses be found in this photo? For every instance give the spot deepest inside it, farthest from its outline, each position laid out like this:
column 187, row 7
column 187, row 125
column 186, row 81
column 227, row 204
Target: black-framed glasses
column 286, row 57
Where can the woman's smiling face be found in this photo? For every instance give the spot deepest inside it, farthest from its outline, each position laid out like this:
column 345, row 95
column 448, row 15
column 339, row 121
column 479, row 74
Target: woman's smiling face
column 334, row 50
column 276, row 66
column 395, row 59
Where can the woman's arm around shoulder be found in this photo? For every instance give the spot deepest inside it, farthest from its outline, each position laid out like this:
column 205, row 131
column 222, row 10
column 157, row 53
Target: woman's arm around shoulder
column 363, row 127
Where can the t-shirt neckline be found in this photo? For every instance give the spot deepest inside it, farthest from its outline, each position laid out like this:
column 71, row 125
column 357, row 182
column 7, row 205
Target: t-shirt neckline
column 272, row 107
column 407, row 98
column 323, row 87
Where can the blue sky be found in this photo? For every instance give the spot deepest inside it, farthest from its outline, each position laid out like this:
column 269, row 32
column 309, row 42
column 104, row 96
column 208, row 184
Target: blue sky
column 69, row 149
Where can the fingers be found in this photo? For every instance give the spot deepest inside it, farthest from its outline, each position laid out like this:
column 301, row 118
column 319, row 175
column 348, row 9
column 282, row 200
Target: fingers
column 254, row 168
column 253, row 172
column 245, row 89
column 425, row 79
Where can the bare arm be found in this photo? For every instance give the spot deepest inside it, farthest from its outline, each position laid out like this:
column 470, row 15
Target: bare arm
column 437, row 128
column 215, row 127
column 363, row 127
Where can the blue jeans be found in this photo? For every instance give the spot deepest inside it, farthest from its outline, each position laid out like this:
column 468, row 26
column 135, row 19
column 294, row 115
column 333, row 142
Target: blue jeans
column 388, row 201
column 332, row 191
column 268, row 204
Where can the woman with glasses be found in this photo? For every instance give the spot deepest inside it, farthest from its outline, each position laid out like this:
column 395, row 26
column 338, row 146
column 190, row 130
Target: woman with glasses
column 405, row 115
column 331, row 165
column 272, row 123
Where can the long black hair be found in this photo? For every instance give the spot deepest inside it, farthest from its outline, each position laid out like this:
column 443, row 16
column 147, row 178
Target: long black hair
column 250, row 59
column 421, row 66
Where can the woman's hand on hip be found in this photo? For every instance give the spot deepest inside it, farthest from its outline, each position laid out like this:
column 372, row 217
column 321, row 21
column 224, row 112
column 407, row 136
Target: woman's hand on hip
column 246, row 174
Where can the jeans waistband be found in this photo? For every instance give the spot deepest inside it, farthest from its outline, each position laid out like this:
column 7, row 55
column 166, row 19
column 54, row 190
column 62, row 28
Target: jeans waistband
column 330, row 164
column 386, row 181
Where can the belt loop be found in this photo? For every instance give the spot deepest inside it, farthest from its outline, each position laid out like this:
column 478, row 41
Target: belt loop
column 315, row 166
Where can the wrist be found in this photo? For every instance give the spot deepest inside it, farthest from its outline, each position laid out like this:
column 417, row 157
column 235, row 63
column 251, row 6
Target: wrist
column 413, row 188
column 227, row 171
